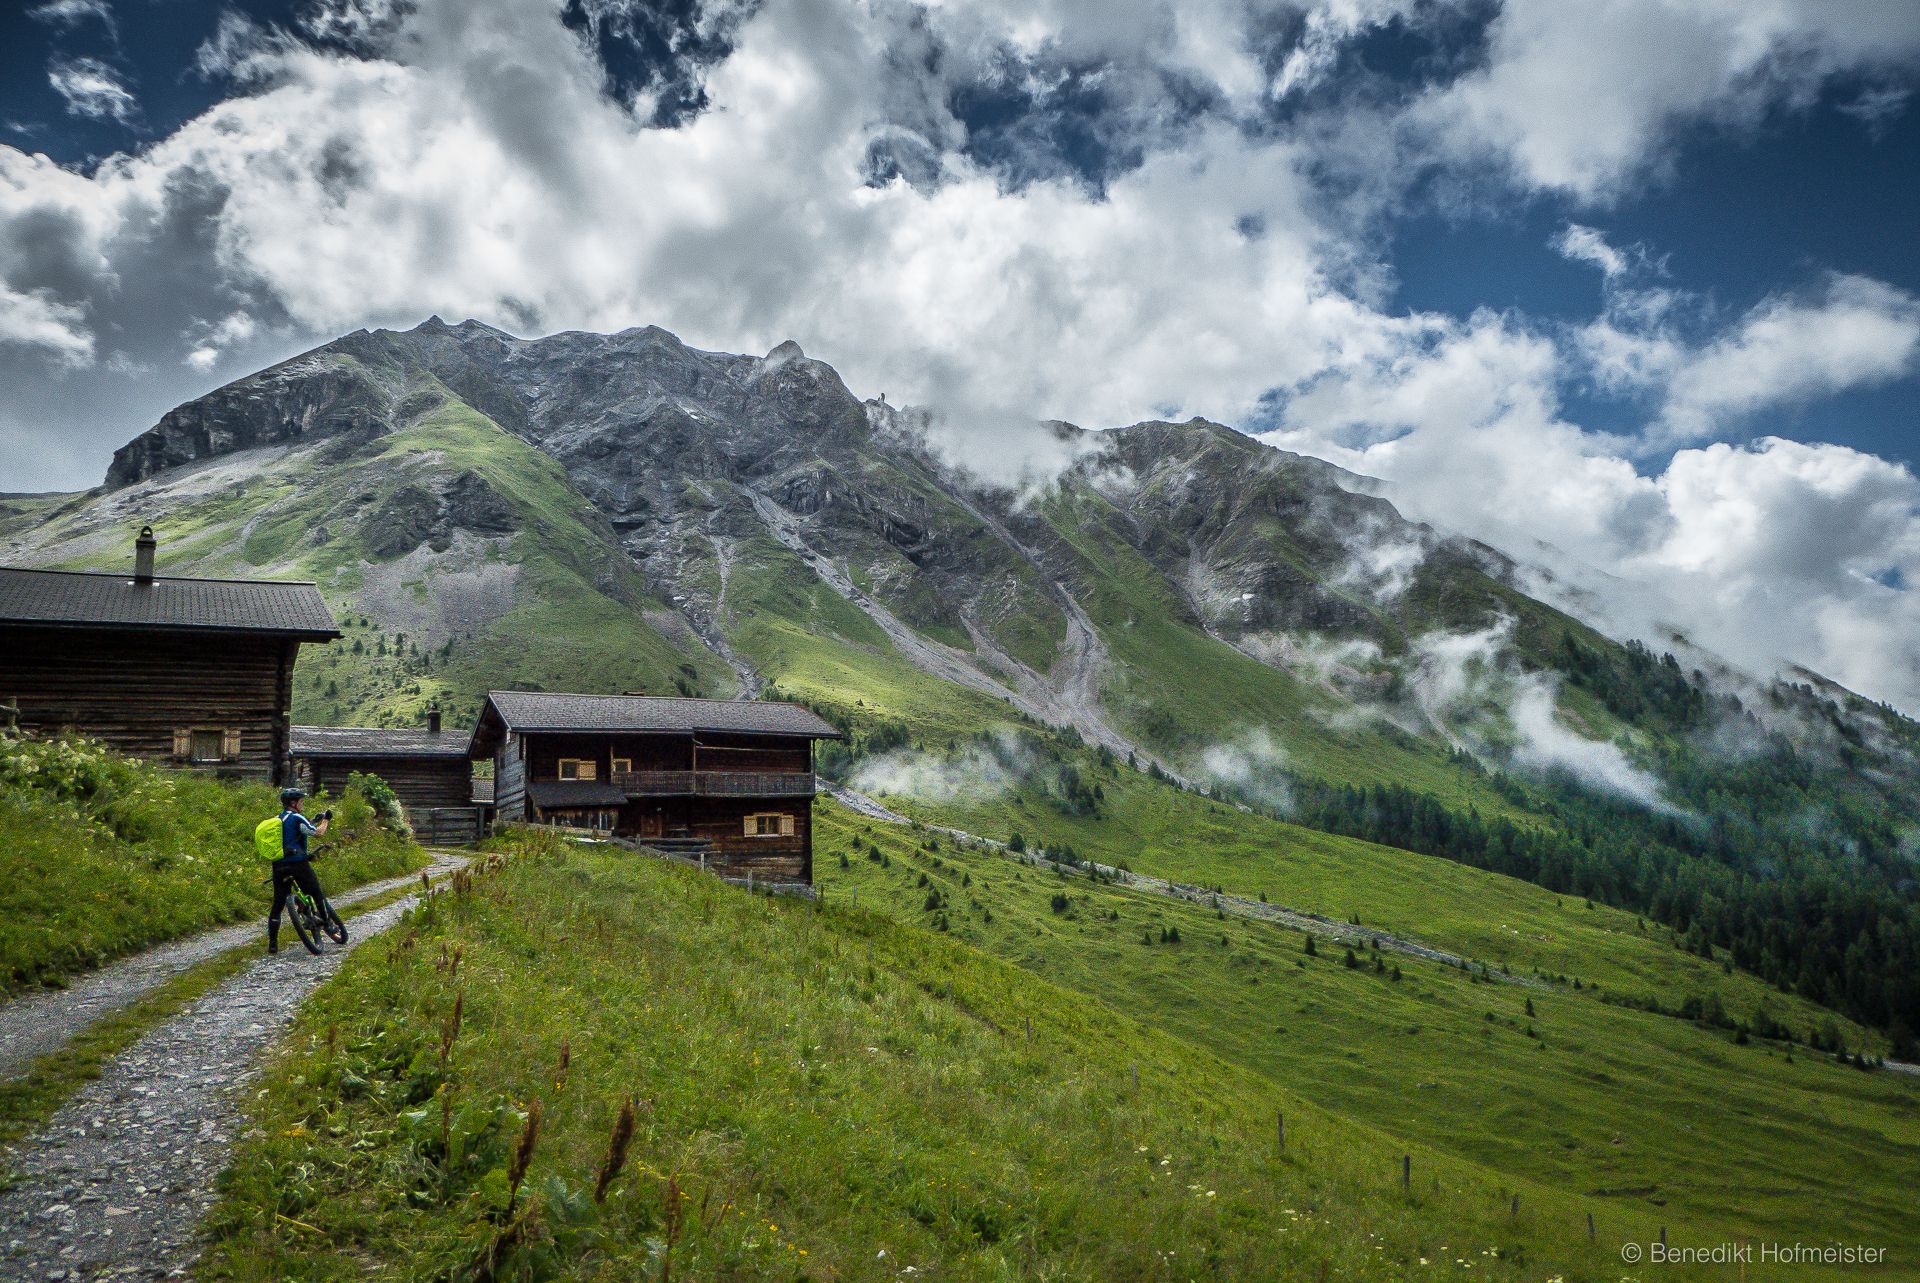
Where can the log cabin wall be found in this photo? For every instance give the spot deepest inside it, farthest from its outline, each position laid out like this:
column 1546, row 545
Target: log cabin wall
column 752, row 753
column 674, row 752
column 510, row 779
column 416, row 781
column 162, row 695
column 722, row 821
column 647, row 752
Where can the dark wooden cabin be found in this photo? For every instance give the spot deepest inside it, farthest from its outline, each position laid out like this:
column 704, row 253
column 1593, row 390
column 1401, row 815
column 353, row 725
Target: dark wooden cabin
column 428, row 770
column 189, row 672
column 729, row 780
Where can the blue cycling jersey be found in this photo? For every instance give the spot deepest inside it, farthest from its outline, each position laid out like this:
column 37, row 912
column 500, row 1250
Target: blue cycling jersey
column 294, row 829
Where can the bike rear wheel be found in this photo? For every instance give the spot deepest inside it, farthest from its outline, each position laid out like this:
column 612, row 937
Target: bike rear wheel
column 305, row 924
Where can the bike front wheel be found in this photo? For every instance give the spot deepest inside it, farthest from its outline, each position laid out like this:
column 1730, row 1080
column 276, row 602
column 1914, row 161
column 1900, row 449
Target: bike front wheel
column 306, row 923
column 330, row 923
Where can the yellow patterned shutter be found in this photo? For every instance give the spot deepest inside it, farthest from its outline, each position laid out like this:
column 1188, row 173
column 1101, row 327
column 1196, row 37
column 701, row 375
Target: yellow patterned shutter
column 182, row 743
column 786, row 826
column 230, row 744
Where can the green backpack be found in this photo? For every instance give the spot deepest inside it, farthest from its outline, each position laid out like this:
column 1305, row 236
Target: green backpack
column 268, row 843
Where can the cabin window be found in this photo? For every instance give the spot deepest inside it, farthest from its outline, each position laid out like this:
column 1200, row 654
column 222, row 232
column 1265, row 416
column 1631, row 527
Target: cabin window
column 623, row 766
column 579, row 768
column 207, row 746
column 769, row 824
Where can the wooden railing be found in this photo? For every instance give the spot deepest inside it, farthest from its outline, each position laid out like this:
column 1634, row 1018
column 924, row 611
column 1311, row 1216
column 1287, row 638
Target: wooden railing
column 715, row 783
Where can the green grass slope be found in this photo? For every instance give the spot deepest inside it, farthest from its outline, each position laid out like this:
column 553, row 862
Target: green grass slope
column 1153, row 828
column 102, row 856
column 578, row 614
column 1626, row 1111
column 819, row 1093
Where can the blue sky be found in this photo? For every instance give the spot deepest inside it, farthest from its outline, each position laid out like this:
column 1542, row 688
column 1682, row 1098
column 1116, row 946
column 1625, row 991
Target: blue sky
column 1628, row 286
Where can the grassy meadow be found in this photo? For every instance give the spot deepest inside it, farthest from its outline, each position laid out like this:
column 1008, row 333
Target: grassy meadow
column 1152, row 828
column 101, row 855
column 815, row 1092
column 1632, row 1113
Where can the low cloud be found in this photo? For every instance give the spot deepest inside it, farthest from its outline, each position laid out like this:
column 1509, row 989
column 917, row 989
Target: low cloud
column 1251, row 765
column 1468, row 689
column 977, row 770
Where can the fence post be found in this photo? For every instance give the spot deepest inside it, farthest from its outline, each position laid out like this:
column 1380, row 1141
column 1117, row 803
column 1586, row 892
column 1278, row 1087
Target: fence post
column 1280, row 1127
column 1589, row 1227
column 1516, row 1207
column 1406, row 1171
column 1136, row 1076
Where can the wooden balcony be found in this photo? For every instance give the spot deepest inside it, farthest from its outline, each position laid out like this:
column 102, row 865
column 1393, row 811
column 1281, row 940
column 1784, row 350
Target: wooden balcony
column 715, row 783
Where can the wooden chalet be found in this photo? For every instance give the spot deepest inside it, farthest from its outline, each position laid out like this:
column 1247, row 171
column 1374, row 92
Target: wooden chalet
column 729, row 780
column 427, row 769
column 189, row 672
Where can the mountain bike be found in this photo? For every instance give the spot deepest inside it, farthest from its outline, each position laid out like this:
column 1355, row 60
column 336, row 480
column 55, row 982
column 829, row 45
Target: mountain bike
column 313, row 918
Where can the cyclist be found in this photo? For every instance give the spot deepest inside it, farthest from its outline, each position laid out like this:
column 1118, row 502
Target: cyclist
column 295, row 865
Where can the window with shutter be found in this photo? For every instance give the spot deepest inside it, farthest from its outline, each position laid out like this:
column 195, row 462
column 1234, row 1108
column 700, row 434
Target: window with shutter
column 208, row 745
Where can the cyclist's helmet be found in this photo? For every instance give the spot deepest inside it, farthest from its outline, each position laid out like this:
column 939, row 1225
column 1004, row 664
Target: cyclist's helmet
column 291, row 795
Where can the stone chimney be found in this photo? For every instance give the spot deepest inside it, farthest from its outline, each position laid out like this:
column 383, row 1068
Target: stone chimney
column 433, row 719
column 143, row 556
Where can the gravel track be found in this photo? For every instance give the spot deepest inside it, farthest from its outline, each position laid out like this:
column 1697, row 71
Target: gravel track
column 38, row 1023
column 116, row 1183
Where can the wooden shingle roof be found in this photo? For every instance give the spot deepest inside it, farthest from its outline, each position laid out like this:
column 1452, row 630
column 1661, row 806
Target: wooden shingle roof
column 92, row 599
column 657, row 714
column 375, row 741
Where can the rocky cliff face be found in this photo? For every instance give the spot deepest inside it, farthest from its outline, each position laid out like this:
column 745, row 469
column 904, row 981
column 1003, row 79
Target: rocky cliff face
column 321, row 394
